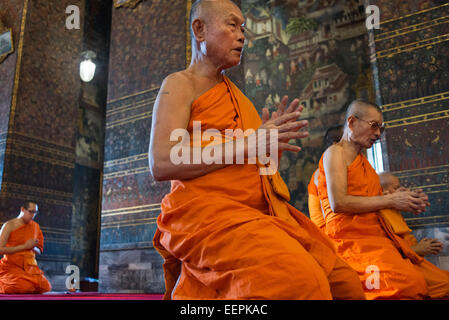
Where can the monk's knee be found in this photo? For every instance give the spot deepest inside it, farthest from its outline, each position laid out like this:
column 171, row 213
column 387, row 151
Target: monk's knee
column 305, row 279
column 23, row 287
column 44, row 286
column 345, row 283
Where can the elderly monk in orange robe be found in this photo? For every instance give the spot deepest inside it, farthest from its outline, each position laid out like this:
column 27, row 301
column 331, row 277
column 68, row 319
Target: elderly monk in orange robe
column 226, row 231
column 332, row 135
column 351, row 197
column 20, row 240
column 437, row 279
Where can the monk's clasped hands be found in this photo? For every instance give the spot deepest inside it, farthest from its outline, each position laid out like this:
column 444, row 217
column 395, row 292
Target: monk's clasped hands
column 284, row 120
column 414, row 201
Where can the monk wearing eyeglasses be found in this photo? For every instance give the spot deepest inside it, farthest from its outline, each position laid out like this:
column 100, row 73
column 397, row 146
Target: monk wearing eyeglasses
column 352, row 198
column 20, row 240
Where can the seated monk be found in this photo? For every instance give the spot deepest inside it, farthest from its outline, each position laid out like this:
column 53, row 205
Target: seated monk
column 351, row 198
column 437, row 279
column 332, row 135
column 20, row 240
column 226, row 230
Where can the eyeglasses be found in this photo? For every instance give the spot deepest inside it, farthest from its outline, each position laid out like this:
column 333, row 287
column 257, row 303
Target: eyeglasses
column 31, row 211
column 374, row 125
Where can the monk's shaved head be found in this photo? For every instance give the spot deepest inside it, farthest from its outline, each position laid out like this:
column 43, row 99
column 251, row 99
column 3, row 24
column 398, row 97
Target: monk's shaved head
column 205, row 10
column 389, row 181
column 359, row 109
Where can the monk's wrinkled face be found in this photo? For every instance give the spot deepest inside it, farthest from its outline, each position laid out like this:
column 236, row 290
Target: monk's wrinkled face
column 29, row 212
column 365, row 126
column 224, row 34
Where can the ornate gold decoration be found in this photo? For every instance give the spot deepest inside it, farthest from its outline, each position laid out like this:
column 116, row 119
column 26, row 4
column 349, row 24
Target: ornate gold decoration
column 12, row 113
column 126, row 3
column 188, row 35
column 6, row 42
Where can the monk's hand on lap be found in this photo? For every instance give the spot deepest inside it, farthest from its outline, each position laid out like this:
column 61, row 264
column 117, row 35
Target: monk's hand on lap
column 428, row 246
column 437, row 246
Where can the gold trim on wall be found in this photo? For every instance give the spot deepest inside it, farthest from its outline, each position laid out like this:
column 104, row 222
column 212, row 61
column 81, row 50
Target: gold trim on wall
column 420, row 169
column 145, row 206
column 130, row 119
column 18, row 65
column 126, row 3
column 130, row 223
column 52, row 161
column 132, row 95
column 417, row 119
column 124, row 173
column 131, row 212
column 188, row 36
column 33, row 189
column 131, row 106
column 426, row 43
column 414, row 13
column 412, row 28
column 415, row 102
column 127, row 160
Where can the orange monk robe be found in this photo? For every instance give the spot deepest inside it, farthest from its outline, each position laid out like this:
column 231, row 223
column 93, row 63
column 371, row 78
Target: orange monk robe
column 231, row 234
column 19, row 272
column 437, row 279
column 365, row 240
column 315, row 211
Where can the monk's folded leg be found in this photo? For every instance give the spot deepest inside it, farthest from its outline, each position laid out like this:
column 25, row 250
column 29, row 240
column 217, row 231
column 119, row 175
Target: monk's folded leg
column 43, row 285
column 18, row 286
column 345, row 283
column 437, row 279
column 253, row 260
column 385, row 274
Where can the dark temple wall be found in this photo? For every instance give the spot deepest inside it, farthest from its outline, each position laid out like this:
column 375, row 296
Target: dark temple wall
column 147, row 43
column 40, row 143
column 87, row 183
column 11, row 16
column 411, row 67
column 52, row 127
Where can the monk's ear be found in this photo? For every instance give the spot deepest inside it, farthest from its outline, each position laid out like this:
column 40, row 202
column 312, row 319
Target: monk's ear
column 199, row 29
column 351, row 120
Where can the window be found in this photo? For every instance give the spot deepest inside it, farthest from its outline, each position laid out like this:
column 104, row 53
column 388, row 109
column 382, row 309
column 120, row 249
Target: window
column 374, row 155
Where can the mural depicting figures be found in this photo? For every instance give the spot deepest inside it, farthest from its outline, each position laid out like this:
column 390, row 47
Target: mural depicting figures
column 313, row 50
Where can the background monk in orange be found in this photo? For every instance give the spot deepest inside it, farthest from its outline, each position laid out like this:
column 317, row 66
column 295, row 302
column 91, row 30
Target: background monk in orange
column 437, row 279
column 332, row 135
column 351, row 198
column 226, row 231
column 20, row 240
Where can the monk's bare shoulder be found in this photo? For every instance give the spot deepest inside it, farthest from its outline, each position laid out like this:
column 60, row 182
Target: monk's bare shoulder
column 178, row 83
column 11, row 225
column 333, row 151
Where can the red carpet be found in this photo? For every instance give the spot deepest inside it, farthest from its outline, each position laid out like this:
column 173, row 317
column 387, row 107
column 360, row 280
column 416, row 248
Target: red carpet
column 82, row 296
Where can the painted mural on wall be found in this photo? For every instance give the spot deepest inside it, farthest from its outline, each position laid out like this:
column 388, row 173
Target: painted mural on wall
column 316, row 51
column 413, row 80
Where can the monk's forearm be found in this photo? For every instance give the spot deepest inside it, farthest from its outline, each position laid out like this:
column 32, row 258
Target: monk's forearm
column 184, row 171
column 360, row 204
column 417, row 249
column 191, row 162
column 11, row 250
